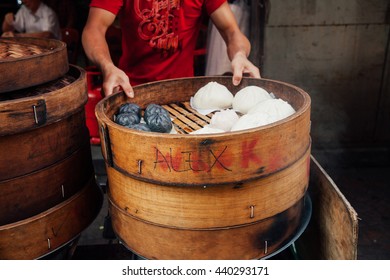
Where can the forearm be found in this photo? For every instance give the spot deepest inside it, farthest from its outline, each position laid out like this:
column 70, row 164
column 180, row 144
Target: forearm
column 237, row 44
column 96, row 48
column 7, row 25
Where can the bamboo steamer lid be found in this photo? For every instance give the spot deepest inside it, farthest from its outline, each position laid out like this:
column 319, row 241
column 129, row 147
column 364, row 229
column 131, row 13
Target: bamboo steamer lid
column 26, row 62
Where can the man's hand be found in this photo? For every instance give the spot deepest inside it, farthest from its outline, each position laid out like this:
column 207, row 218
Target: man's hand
column 115, row 80
column 241, row 64
column 8, row 34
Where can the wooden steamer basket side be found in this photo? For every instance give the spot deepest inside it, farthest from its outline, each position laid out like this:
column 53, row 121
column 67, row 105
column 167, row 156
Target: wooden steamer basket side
column 44, row 128
column 49, row 193
column 154, row 178
column 49, row 230
column 24, row 110
column 30, row 194
column 26, row 62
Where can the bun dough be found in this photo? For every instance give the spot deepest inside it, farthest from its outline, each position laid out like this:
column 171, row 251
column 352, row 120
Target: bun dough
column 251, row 121
column 207, row 130
column 266, row 112
column 224, row 119
column 276, row 108
column 213, row 96
column 248, row 97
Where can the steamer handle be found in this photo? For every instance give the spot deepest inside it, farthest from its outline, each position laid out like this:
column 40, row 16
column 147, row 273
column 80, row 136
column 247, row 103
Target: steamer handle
column 39, row 112
column 106, row 145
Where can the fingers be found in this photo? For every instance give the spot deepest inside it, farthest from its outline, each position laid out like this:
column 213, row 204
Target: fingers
column 112, row 88
column 241, row 66
column 253, row 71
column 8, row 34
column 115, row 80
column 237, row 76
column 127, row 88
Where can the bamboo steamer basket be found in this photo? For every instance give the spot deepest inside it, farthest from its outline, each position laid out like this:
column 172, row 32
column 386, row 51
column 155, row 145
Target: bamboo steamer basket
column 26, row 62
column 202, row 194
column 48, row 231
column 42, row 125
column 28, row 195
column 49, row 193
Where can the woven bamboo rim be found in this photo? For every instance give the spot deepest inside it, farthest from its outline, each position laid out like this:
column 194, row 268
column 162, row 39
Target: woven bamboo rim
column 26, row 62
column 45, row 104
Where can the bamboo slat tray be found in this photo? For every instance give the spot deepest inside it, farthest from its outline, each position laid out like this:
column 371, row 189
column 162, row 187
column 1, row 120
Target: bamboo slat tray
column 185, row 119
column 26, row 62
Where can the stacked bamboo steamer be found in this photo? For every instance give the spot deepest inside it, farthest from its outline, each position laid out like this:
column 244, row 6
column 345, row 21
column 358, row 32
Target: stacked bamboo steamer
column 48, row 190
column 234, row 195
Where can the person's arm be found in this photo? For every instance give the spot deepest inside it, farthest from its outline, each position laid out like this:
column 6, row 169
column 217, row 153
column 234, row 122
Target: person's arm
column 238, row 46
column 8, row 23
column 96, row 48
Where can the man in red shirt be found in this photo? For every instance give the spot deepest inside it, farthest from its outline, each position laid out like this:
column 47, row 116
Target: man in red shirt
column 158, row 40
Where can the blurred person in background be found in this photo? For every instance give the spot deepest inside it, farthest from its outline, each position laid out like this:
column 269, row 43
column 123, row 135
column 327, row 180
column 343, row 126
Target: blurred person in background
column 33, row 19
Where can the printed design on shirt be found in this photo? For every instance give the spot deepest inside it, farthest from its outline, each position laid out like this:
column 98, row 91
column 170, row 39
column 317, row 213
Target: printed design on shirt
column 159, row 23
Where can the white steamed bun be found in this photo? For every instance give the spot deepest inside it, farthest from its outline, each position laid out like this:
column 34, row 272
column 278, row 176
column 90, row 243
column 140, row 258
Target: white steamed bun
column 276, row 108
column 207, row 130
column 224, row 119
column 212, row 96
column 251, row 121
column 265, row 112
column 248, row 97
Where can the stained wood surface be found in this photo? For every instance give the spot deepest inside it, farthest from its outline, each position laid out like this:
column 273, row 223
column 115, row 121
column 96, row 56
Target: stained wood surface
column 33, row 193
column 177, row 159
column 46, row 232
column 34, row 107
column 333, row 230
column 249, row 241
column 199, row 207
column 39, row 148
column 26, row 62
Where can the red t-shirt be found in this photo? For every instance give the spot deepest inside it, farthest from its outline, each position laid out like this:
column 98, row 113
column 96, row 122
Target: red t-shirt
column 158, row 36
